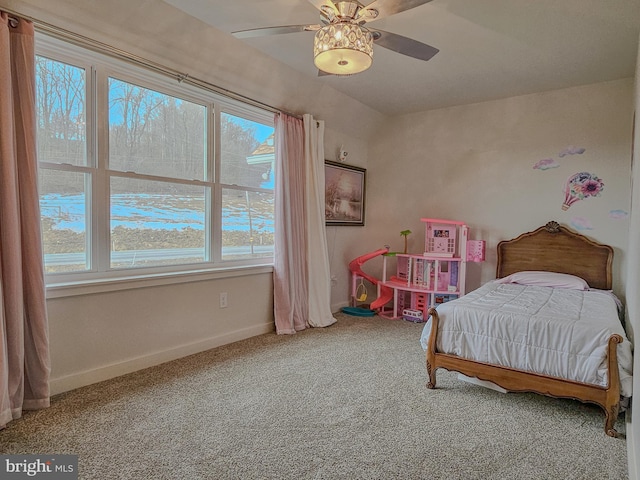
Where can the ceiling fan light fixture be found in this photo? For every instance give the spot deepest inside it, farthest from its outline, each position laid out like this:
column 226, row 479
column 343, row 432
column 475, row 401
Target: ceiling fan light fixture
column 343, row 49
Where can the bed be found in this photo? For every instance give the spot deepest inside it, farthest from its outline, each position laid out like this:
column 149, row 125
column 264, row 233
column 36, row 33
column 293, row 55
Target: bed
column 526, row 333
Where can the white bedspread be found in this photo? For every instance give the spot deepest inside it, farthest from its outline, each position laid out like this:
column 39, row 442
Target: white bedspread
column 552, row 331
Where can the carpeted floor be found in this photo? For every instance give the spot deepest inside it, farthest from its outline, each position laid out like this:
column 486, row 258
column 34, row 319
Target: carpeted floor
column 345, row 402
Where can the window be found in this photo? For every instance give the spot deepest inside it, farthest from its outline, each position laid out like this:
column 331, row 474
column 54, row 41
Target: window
column 142, row 174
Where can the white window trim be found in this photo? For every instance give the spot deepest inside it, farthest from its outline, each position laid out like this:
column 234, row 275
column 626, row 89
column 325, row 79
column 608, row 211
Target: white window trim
column 129, row 282
column 100, row 277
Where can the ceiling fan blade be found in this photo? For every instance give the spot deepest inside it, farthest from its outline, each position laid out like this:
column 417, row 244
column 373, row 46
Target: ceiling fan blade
column 326, row 7
column 261, row 32
column 404, row 45
column 383, row 8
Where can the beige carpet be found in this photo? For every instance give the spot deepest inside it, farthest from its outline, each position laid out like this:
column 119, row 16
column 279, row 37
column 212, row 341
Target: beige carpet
column 345, row 402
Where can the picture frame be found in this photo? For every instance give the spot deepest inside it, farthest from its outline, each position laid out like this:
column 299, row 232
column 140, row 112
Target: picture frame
column 344, row 200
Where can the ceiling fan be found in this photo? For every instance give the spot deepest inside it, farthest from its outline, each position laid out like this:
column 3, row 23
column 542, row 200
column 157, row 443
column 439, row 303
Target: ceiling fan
column 343, row 45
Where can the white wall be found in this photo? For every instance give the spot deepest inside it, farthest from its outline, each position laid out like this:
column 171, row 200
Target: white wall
column 339, row 239
column 633, row 287
column 96, row 336
column 475, row 163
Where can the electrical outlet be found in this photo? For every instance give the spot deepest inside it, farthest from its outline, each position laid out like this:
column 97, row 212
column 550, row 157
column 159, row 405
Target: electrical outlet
column 223, row 300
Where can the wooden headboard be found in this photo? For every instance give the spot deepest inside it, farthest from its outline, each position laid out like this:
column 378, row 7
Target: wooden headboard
column 554, row 248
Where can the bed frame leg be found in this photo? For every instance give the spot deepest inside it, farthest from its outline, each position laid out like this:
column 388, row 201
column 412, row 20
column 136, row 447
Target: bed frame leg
column 431, row 372
column 431, row 347
column 611, row 414
column 612, row 402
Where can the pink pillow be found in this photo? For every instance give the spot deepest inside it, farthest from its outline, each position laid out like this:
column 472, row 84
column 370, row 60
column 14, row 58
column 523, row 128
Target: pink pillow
column 546, row 279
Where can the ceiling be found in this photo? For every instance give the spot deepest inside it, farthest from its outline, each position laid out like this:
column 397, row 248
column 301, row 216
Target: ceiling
column 489, row 49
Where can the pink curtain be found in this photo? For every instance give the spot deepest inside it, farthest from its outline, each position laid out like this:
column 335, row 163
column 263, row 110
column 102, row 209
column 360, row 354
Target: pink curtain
column 24, row 346
column 318, row 261
column 290, row 277
column 301, row 277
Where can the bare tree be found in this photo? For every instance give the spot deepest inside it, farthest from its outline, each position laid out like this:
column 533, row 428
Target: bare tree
column 61, row 111
column 131, row 111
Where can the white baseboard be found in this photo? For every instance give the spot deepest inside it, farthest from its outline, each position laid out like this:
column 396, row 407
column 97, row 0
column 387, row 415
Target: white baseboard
column 338, row 306
column 88, row 377
column 631, row 450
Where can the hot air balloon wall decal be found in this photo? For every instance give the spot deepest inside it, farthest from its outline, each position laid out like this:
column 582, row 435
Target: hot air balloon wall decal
column 581, row 186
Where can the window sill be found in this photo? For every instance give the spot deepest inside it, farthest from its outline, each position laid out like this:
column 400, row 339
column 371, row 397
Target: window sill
column 89, row 287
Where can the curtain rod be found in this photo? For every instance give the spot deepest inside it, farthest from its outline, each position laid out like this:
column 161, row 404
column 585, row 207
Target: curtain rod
column 100, row 47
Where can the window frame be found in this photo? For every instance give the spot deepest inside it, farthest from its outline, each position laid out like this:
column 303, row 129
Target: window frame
column 99, row 67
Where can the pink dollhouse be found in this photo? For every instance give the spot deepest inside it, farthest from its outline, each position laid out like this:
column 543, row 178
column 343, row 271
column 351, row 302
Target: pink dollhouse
column 435, row 276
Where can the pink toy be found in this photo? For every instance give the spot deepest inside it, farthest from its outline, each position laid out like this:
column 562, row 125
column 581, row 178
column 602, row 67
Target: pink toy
column 386, row 295
column 435, row 276
column 476, row 250
column 422, row 280
column 358, row 291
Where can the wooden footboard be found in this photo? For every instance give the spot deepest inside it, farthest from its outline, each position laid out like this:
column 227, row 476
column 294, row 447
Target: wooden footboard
column 520, row 381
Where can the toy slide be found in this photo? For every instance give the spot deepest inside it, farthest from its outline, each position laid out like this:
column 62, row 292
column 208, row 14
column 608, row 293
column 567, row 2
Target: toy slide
column 386, row 295
column 355, row 265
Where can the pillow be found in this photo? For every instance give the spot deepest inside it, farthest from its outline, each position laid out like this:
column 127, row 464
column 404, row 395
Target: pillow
column 546, row 279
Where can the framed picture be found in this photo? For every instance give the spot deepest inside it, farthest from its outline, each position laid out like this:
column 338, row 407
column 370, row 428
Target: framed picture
column 344, row 194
